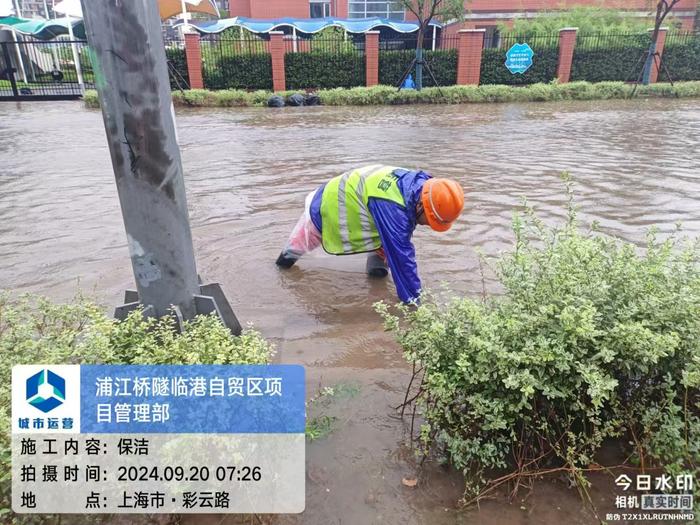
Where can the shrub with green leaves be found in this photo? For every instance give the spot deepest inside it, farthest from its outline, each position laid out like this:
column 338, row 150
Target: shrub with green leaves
column 608, row 57
column 324, row 69
column 680, row 58
column 377, row 95
column 592, row 339
column 443, row 63
column 588, row 20
column 334, row 37
column 544, row 66
column 238, row 71
column 35, row 330
column 178, row 61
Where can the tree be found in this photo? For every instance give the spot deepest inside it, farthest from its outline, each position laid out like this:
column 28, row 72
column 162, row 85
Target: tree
column 425, row 11
column 590, row 20
column 663, row 8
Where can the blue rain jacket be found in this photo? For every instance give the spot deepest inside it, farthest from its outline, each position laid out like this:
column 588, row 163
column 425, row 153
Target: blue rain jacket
column 395, row 225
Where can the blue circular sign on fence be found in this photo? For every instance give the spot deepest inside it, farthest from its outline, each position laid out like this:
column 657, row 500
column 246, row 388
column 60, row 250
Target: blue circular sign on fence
column 519, row 58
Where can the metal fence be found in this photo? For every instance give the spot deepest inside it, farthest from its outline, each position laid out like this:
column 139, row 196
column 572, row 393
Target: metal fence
column 32, row 68
column 680, row 38
column 410, row 41
column 298, row 44
column 177, row 62
column 609, row 56
column 535, row 41
column 681, row 57
column 244, row 62
column 544, row 63
column 612, row 41
column 325, row 62
column 236, row 63
column 396, row 55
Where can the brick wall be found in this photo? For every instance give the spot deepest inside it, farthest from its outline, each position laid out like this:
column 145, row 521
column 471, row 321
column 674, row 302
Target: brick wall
column 537, row 5
column 339, row 8
column 277, row 50
column 372, row 58
column 193, row 55
column 239, row 7
column 471, row 42
column 660, row 42
column 270, row 8
column 567, row 44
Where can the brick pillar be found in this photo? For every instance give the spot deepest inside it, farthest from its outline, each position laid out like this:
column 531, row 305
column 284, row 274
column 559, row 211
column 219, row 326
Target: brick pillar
column 193, row 55
column 660, row 50
column 471, row 43
column 372, row 58
column 277, row 51
column 567, row 44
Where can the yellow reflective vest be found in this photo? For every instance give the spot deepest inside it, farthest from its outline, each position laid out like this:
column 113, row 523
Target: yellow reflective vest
column 348, row 226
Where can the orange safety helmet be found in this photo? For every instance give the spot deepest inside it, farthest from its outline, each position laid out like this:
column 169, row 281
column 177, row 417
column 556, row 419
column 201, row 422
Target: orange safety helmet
column 443, row 200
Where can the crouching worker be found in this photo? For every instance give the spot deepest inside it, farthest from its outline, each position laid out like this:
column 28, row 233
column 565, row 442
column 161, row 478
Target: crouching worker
column 375, row 209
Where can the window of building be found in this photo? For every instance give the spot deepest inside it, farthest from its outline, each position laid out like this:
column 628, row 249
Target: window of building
column 374, row 8
column 320, row 8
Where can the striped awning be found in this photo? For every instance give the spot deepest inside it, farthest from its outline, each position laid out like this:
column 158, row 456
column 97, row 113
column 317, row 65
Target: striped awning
column 307, row 25
column 43, row 29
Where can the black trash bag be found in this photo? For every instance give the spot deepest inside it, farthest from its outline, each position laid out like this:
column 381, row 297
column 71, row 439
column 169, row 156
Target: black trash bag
column 275, row 101
column 312, row 99
column 295, row 100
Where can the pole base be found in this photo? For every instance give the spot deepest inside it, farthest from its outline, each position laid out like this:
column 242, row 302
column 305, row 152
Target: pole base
column 210, row 300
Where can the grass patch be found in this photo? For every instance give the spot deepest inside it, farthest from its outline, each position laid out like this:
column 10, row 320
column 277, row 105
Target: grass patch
column 388, row 95
column 323, row 425
column 90, row 99
column 320, row 427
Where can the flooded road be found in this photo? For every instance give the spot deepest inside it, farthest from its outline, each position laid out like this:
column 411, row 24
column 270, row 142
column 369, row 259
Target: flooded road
column 247, row 173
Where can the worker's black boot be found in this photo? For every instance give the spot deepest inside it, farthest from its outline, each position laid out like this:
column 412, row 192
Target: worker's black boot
column 376, row 267
column 286, row 260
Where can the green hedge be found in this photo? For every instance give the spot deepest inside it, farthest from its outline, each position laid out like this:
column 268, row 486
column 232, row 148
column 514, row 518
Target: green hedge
column 443, row 63
column 614, row 60
column 321, row 69
column 176, row 56
column 494, row 71
column 244, row 71
column 379, row 95
column 682, row 60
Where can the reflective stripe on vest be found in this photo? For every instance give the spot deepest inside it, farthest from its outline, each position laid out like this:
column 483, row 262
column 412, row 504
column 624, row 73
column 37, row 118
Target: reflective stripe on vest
column 348, row 226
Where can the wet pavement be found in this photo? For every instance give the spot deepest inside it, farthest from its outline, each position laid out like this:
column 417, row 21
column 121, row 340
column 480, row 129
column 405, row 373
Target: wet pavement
column 247, row 173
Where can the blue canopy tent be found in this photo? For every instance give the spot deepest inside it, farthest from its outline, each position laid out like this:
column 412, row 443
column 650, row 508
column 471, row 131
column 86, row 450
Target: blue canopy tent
column 10, row 20
column 307, row 25
column 44, row 29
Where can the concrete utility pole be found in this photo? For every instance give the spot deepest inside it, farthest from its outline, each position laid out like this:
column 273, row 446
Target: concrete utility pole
column 134, row 92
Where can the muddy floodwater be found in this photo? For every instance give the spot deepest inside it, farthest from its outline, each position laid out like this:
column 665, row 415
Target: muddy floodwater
column 247, row 172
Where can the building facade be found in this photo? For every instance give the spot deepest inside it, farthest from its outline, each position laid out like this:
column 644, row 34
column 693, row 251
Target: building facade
column 35, row 8
column 478, row 13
